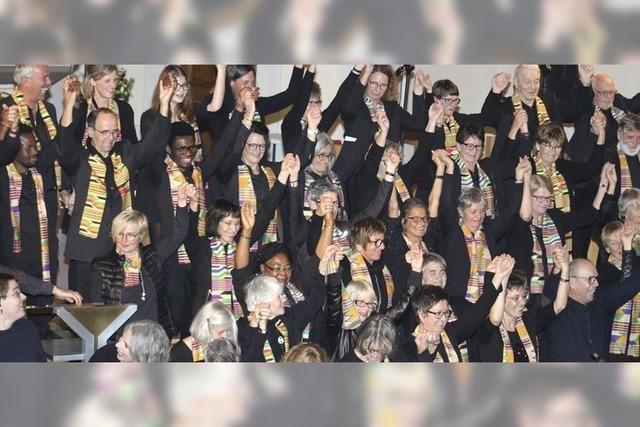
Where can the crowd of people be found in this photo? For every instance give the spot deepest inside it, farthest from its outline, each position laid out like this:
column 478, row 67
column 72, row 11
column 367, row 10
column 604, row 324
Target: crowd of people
column 518, row 248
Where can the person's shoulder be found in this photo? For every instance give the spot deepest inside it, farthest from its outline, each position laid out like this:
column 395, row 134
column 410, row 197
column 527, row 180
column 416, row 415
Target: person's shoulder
column 124, row 106
column 106, row 353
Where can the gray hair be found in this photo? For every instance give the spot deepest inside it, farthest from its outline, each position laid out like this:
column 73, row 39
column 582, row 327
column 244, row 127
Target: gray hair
column 469, row 196
column 213, row 315
column 630, row 122
column 433, row 257
column 320, row 187
column 222, row 350
column 521, row 67
column 377, row 331
column 21, row 71
column 149, row 342
column 626, row 200
column 323, row 140
column 261, row 289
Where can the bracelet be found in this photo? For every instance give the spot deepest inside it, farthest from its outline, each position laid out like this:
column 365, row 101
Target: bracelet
column 518, row 182
column 293, row 182
column 242, row 236
column 439, row 176
column 355, row 71
column 312, row 132
column 564, row 280
column 390, row 173
column 247, row 122
column 603, row 185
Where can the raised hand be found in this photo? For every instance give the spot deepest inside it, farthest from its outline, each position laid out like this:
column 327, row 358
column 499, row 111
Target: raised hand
column 448, row 161
column 70, row 90
column 628, row 233
column 520, row 119
column 604, row 174
column 612, row 175
column 314, row 115
column 436, row 156
column 10, row 117
column 414, row 258
column 383, row 121
column 183, row 198
column 392, row 162
column 435, row 112
column 424, row 80
column 560, row 255
column 247, row 217
column 585, row 71
column 499, row 82
column 293, row 166
column 166, row 88
column 192, row 196
column 332, row 254
column 523, row 168
column 504, row 267
column 598, row 121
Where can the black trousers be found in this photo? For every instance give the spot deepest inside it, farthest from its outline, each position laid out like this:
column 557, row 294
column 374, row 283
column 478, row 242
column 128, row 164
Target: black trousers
column 181, row 291
column 80, row 280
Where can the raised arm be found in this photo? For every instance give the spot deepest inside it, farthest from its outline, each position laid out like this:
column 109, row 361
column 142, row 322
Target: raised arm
column 523, row 173
column 414, row 258
column 218, row 89
column 561, row 258
column 68, row 148
column 274, row 103
column 171, row 243
column 290, row 126
column 248, row 219
column 9, row 138
column 331, row 113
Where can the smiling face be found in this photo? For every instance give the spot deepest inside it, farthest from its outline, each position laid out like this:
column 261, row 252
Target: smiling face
column 470, row 150
column 473, row 216
column 604, row 91
column 548, row 152
column 122, row 347
column 105, row 134
column 128, row 239
column 515, row 301
column 372, row 250
column 365, row 304
column 182, row 89
column 540, row 201
column 183, row 150
column 629, row 141
column 105, row 87
column 323, row 160
column 434, row 273
column 36, row 86
column 278, row 267
column 430, row 322
column 254, row 150
column 228, row 228
column 377, row 86
column 248, row 80
column 28, row 154
column 528, row 84
column 12, row 305
column 415, row 222
column 613, row 244
column 583, row 282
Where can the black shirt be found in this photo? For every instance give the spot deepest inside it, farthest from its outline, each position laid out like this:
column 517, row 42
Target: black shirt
column 21, row 343
column 29, row 259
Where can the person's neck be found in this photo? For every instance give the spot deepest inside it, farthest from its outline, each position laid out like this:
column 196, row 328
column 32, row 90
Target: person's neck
column 314, row 170
column 537, row 219
column 20, row 167
column 255, row 167
column 131, row 255
column 6, row 324
column 471, row 165
column 366, row 259
column 509, row 322
column 527, row 102
column 101, row 102
column 172, row 108
column 415, row 241
column 573, row 298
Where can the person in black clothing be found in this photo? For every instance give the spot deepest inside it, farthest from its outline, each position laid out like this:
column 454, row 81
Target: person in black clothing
column 19, row 339
column 33, row 286
column 510, row 333
column 626, row 159
column 437, row 340
column 104, row 176
column 375, row 341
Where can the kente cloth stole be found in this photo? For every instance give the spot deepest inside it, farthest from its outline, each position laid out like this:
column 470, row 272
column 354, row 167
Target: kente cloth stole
column 625, row 331
column 466, row 181
column 462, row 347
column 222, row 262
column 283, row 339
column 176, row 180
column 541, row 109
column 340, row 238
column 92, row 105
column 523, row 334
column 132, row 271
column 97, row 193
column 401, row 188
column 550, row 238
column 350, row 316
column 479, row 259
column 297, row 298
column 561, row 198
column 310, row 179
column 197, row 351
column 25, row 118
column 625, row 174
column 246, row 194
column 15, row 191
column 360, row 271
column 452, row 356
column 450, row 127
column 373, row 107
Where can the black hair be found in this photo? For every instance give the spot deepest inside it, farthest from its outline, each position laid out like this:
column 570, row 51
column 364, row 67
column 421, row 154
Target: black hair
column 445, row 87
column 219, row 210
column 428, row 296
column 179, row 129
column 234, row 72
column 470, row 130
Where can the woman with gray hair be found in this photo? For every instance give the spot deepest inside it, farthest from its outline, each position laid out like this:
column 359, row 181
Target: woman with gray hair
column 143, row 341
column 375, row 341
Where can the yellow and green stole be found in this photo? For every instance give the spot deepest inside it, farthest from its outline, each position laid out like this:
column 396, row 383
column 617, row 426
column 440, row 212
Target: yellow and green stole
column 15, row 191
column 222, row 262
column 450, row 127
column 462, row 347
column 360, row 271
column 625, row 331
column 333, row 178
column 97, row 193
column 466, row 181
column 401, row 188
column 176, row 180
column 523, row 334
column 132, row 272
column 25, row 119
column 267, row 351
column 373, row 107
column 561, row 198
column 297, row 298
column 550, row 238
column 479, row 259
column 452, row 356
column 625, row 174
column 246, row 194
column 91, row 106
column 541, row 109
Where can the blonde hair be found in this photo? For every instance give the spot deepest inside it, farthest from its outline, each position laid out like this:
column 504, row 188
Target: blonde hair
column 95, row 72
column 306, row 353
column 626, row 201
column 540, row 181
column 131, row 217
column 213, row 314
column 358, row 288
column 363, row 229
column 606, row 236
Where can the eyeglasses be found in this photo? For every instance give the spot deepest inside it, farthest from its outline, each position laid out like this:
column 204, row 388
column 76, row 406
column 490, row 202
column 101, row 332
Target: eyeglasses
column 450, row 101
column 436, row 273
column 193, row 149
column 109, row 132
column 376, row 85
column 362, row 304
column 472, row 147
column 417, row 220
column 323, row 156
column 127, row 236
column 256, row 147
column 184, row 86
column 550, row 146
column 592, row 280
column 438, row 314
column 606, row 93
column 378, row 242
column 514, row 297
column 316, row 102
column 278, row 268
column 327, row 201
column 543, row 199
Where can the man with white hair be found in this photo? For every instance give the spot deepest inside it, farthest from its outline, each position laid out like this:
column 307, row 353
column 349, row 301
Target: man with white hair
column 626, row 160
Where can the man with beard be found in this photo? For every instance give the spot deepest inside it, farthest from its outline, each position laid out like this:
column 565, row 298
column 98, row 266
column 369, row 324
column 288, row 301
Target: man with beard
column 626, row 159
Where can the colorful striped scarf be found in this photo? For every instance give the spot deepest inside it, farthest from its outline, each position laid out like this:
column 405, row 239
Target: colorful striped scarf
column 340, row 238
column 541, row 109
column 625, row 331
column 132, row 271
column 466, row 181
column 373, row 107
column 15, row 192
column 401, row 188
column 197, row 351
column 177, row 180
column 507, row 349
column 92, row 105
column 283, row 340
column 550, row 239
column 297, row 297
column 360, row 271
column 625, row 174
column 246, row 194
column 450, row 127
column 479, row 259
column 561, row 198
column 449, row 349
column 25, row 119
column 93, row 209
column 222, row 262
column 333, row 178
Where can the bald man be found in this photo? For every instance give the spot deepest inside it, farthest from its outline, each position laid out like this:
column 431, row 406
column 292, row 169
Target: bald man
column 581, row 333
